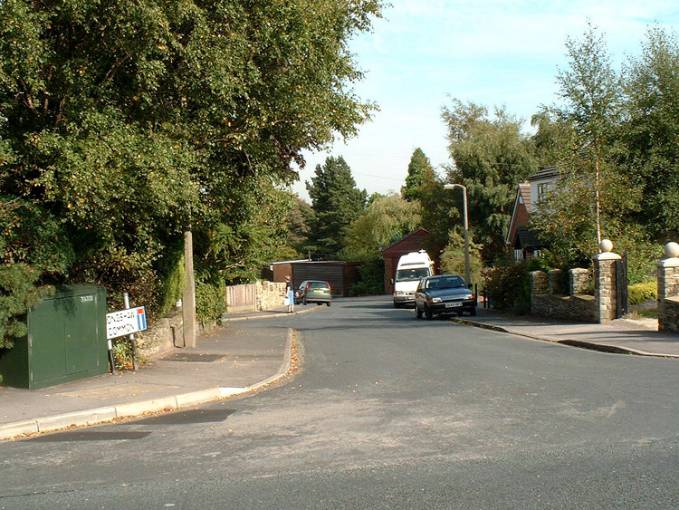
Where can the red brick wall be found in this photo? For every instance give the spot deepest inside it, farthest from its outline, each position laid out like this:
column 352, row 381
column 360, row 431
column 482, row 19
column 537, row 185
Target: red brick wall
column 412, row 242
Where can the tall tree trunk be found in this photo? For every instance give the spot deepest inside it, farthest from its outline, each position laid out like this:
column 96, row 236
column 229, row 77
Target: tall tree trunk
column 597, row 198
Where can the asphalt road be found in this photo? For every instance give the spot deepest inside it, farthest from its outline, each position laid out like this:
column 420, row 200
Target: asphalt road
column 389, row 412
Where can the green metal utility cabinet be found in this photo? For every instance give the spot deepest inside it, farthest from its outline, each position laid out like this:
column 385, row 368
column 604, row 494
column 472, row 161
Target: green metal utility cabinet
column 66, row 340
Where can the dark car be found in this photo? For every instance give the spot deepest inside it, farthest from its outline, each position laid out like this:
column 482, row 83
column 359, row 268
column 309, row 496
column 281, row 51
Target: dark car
column 443, row 294
column 314, row 291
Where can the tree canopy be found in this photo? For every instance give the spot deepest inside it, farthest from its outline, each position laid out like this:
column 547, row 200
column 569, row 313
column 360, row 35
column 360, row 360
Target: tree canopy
column 592, row 103
column 491, row 156
column 122, row 124
column 419, row 170
column 387, row 219
column 651, row 131
column 336, row 202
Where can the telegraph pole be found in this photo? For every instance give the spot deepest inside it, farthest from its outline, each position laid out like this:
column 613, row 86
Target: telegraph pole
column 189, row 295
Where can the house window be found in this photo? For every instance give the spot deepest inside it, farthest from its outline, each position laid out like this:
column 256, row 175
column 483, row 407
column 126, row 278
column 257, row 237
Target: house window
column 543, row 190
column 518, row 255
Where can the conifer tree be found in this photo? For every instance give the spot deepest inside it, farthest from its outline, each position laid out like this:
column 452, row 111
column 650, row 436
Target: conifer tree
column 337, row 202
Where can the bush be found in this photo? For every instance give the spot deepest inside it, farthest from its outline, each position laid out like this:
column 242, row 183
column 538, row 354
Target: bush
column 642, row 259
column 641, row 292
column 120, row 271
column 210, row 301
column 370, row 279
column 172, row 287
column 122, row 353
column 452, row 258
column 509, row 287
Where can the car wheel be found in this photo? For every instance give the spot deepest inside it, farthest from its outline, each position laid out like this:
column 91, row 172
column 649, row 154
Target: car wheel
column 428, row 313
column 397, row 305
column 304, row 301
column 472, row 312
column 328, row 303
column 418, row 313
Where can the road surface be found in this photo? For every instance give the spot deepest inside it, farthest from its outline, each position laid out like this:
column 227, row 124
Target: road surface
column 388, row 412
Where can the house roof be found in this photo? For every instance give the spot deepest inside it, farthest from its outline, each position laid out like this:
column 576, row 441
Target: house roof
column 420, row 232
column 524, row 191
column 544, row 173
column 290, row 261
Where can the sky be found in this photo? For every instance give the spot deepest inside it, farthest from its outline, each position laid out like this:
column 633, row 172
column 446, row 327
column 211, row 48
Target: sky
column 422, row 53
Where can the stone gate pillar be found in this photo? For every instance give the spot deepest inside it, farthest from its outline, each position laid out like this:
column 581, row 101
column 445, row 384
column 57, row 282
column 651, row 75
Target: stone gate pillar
column 668, row 289
column 605, row 287
column 578, row 279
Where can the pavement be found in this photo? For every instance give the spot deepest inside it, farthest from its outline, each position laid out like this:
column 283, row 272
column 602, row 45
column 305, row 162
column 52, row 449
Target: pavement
column 281, row 311
column 228, row 362
column 234, row 360
column 623, row 336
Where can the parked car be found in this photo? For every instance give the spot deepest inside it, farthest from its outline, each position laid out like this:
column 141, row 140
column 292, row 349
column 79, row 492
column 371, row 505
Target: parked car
column 443, row 294
column 314, row 291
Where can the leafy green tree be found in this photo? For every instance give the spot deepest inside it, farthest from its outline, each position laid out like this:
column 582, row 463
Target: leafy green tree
column 124, row 123
column 418, row 167
column 336, row 202
column 23, row 227
column 491, row 156
column 553, row 139
column 452, row 257
column 651, row 131
column 236, row 251
column 387, row 219
column 299, row 221
column 592, row 103
column 440, row 211
column 594, row 198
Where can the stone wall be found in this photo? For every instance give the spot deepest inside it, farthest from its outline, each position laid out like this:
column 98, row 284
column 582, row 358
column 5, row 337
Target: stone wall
column 579, row 280
column 555, row 283
column 668, row 319
column 668, row 293
column 580, row 308
column 546, row 300
column 270, row 295
column 539, row 283
column 254, row 297
column 157, row 340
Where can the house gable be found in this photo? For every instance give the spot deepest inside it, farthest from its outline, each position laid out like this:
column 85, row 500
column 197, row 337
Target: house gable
column 411, row 242
column 415, row 241
column 520, row 213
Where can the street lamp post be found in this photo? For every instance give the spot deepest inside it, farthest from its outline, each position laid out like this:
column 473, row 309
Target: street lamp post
column 466, row 229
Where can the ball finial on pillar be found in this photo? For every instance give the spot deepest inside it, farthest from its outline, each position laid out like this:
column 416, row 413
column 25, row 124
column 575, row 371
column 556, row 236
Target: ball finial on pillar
column 606, row 246
column 672, row 250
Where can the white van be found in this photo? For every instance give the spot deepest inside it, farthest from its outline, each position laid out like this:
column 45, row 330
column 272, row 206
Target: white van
column 411, row 268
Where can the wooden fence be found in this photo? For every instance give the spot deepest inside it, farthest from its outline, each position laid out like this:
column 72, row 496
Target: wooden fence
column 241, row 298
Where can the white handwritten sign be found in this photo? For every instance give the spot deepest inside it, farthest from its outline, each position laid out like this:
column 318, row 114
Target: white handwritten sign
column 125, row 322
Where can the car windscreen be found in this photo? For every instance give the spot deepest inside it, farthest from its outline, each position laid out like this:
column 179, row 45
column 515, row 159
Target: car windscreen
column 319, row 285
column 452, row 282
column 408, row 275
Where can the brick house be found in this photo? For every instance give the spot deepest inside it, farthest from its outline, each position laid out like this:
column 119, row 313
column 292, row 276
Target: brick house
column 415, row 241
column 520, row 238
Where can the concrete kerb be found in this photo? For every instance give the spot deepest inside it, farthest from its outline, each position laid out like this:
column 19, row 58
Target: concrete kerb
column 581, row 344
column 123, row 412
column 226, row 318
